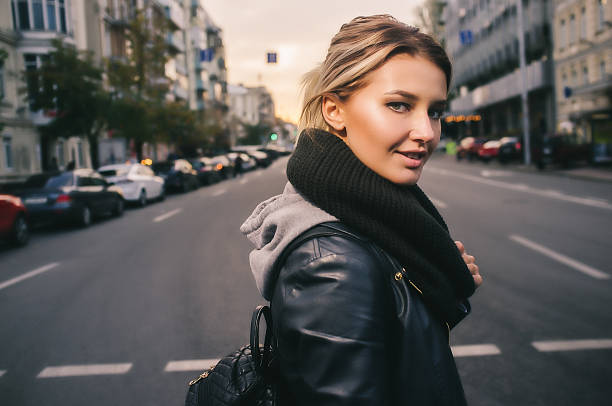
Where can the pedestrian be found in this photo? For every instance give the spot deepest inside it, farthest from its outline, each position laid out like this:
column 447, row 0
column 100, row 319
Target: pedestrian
column 362, row 315
column 238, row 166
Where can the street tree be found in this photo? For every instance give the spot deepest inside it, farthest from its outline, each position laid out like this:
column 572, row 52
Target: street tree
column 68, row 87
column 137, row 80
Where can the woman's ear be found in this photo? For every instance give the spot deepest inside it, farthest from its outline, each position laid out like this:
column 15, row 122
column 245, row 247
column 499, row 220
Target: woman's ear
column 332, row 110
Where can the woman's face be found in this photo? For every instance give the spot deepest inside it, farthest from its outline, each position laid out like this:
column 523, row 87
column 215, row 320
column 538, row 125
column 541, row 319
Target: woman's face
column 393, row 123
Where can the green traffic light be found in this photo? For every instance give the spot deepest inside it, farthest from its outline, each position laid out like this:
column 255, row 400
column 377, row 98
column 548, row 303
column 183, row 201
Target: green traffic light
column 273, row 136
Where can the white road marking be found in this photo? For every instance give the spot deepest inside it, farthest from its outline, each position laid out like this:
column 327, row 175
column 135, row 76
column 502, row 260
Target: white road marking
column 475, row 350
column 218, row 192
column 490, row 174
column 2, row 373
column 602, row 204
column 191, row 365
column 27, row 275
column 166, row 215
column 579, row 266
column 84, row 370
column 572, row 345
column 438, row 203
column 243, row 181
column 258, row 174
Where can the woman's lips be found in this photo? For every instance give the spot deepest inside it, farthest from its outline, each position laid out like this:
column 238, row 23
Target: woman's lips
column 412, row 159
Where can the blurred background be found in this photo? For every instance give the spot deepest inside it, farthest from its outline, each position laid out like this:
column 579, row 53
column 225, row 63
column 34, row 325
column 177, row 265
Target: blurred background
column 137, row 135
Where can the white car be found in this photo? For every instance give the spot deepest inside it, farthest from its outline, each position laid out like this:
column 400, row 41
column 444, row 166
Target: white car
column 138, row 182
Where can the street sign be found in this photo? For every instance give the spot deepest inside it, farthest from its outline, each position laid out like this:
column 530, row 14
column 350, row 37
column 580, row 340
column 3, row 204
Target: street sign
column 207, row 55
column 271, row 57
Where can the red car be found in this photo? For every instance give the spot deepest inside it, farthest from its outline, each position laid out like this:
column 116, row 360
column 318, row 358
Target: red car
column 468, row 147
column 489, row 150
column 13, row 220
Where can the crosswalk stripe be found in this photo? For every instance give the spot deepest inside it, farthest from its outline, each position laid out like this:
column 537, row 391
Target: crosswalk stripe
column 84, row 370
column 572, row 345
column 475, row 350
column 191, row 365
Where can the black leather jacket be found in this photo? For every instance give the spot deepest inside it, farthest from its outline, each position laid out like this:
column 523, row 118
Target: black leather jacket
column 351, row 329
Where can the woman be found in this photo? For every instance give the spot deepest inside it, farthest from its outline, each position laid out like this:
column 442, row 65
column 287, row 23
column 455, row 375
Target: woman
column 362, row 312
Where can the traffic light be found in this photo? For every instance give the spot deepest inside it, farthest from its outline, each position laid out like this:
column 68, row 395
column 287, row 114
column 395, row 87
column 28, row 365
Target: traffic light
column 274, row 136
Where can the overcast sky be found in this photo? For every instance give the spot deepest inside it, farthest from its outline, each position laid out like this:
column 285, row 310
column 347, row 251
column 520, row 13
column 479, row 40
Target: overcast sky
column 299, row 31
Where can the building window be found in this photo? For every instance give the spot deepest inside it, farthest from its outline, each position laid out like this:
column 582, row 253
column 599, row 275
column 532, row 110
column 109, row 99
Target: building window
column 562, row 35
column 583, row 27
column 8, row 152
column 574, row 77
column 37, row 13
column 585, row 75
column 24, row 14
column 572, row 29
column 601, row 14
column 1, row 79
column 51, row 23
column 62, row 15
column 602, row 69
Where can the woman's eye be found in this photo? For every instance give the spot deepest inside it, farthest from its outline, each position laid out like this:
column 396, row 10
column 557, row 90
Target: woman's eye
column 398, row 106
column 436, row 114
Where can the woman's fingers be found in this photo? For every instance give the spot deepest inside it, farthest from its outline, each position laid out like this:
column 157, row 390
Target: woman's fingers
column 460, row 247
column 470, row 261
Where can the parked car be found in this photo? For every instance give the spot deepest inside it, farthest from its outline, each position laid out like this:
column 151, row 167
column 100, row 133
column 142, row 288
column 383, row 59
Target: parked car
column 138, row 183
column 223, row 165
column 208, row 172
column 178, row 175
column 510, row 149
column 560, row 149
column 248, row 162
column 489, row 150
column 14, row 225
column 74, row 196
column 262, row 159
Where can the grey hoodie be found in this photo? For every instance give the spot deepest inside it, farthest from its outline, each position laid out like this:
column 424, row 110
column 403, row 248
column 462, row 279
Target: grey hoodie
column 272, row 226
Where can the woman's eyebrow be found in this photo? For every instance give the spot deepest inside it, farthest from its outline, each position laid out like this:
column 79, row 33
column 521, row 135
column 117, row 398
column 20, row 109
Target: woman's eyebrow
column 438, row 103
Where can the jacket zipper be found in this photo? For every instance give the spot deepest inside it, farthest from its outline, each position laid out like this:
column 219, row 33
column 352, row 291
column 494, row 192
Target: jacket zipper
column 399, row 276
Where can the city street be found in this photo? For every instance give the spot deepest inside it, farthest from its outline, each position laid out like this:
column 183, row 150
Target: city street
column 127, row 311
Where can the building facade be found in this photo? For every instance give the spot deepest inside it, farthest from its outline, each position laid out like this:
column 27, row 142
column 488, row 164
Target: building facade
column 482, row 40
column 583, row 72
column 27, row 28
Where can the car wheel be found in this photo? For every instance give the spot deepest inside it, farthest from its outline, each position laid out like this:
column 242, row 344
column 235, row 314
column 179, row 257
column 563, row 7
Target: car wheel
column 142, row 199
column 85, row 217
column 21, row 231
column 119, row 207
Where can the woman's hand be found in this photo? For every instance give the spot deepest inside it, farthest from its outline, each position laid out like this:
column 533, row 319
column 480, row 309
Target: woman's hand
column 471, row 264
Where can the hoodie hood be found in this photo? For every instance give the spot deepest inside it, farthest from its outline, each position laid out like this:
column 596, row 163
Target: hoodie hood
column 272, row 226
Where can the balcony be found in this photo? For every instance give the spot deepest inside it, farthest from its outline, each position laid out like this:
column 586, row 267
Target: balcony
column 175, row 42
column 174, row 13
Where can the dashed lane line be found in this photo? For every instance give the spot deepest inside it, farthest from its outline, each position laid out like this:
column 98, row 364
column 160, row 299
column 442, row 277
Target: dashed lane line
column 191, row 365
column 475, row 350
column 2, row 372
column 572, row 345
column 28, row 275
column 553, row 194
column 243, row 181
column 84, row 370
column 167, row 215
column 218, row 192
column 438, row 203
column 572, row 263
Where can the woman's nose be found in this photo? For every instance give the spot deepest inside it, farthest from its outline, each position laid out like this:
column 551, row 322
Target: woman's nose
column 422, row 129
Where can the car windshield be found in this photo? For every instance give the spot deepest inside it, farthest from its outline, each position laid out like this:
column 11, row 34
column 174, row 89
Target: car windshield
column 162, row 167
column 114, row 172
column 65, row 179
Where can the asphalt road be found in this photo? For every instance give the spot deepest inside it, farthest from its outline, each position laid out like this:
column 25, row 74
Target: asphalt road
column 127, row 311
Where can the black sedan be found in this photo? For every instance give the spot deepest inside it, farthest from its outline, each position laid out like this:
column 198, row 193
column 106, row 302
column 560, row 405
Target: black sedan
column 208, row 172
column 75, row 197
column 178, row 175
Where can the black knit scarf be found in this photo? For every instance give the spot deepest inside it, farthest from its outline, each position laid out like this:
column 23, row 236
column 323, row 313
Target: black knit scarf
column 400, row 219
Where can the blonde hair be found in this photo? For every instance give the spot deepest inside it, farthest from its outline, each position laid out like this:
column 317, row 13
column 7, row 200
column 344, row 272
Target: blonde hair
column 360, row 47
